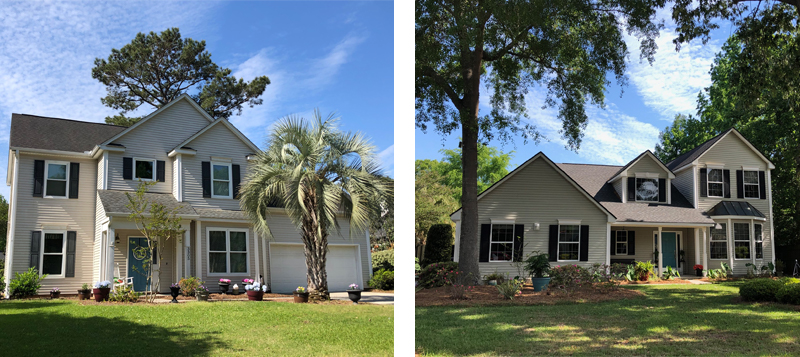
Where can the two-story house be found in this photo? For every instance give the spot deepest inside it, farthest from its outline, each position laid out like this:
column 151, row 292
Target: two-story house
column 712, row 204
column 68, row 217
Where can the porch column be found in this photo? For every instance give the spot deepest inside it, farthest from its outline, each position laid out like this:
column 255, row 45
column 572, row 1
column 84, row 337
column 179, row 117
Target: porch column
column 457, row 241
column 187, row 248
column 705, row 250
column 697, row 246
column 257, row 256
column 753, row 243
column 198, row 254
column 608, row 244
column 178, row 258
column 729, row 232
column 110, row 237
column 660, row 253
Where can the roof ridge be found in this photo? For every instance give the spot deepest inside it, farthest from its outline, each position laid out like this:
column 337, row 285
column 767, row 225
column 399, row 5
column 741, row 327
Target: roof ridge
column 686, row 154
column 65, row 119
column 575, row 163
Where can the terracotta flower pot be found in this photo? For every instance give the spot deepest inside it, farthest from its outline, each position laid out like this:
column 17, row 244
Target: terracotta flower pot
column 300, row 297
column 253, row 295
column 101, row 294
column 84, row 294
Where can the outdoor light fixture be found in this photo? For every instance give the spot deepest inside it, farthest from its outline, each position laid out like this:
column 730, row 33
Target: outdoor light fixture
column 116, row 238
column 536, row 226
column 718, row 226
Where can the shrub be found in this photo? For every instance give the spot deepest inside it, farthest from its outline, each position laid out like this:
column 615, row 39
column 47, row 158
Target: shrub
column 789, row 294
column 495, row 276
column 383, row 280
column 432, row 276
column 417, row 268
column 2, row 276
column 439, row 244
column 510, row 289
column 760, row 290
column 383, row 260
column 537, row 265
column 789, row 280
column 26, row 284
column 569, row 278
column 123, row 293
column 644, row 270
column 189, row 285
column 604, row 277
column 619, row 269
column 459, row 284
column 670, row 273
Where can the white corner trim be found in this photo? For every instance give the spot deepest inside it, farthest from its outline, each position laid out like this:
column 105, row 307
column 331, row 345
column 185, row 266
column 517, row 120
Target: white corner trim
column 369, row 252
column 12, row 227
column 503, row 221
column 569, row 221
column 104, row 184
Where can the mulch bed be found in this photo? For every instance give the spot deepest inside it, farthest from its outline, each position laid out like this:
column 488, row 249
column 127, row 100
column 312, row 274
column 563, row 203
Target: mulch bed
column 488, row 295
column 656, row 282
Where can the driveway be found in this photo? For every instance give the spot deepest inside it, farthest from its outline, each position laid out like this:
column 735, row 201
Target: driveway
column 368, row 296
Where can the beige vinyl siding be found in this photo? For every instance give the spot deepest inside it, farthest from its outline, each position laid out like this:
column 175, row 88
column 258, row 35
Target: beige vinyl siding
column 647, row 164
column 527, row 197
column 683, row 181
column 218, row 141
column 76, row 214
column 154, row 139
column 733, row 153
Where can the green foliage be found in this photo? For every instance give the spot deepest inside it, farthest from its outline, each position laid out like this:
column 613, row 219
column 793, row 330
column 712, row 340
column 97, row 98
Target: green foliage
column 3, row 224
column 537, row 264
column 189, row 285
column 760, row 289
column 381, row 219
column 569, row 278
column 759, row 271
column 123, row 293
column 86, row 286
column 495, row 276
column 25, row 284
column 417, row 268
column 644, row 270
column 433, row 203
column 670, row 273
column 458, row 284
column 789, row 294
column 433, row 275
column 510, row 289
column 493, row 165
column 607, row 278
column 383, row 260
column 155, row 69
column 2, row 277
column 383, row 280
column 439, row 244
column 789, row 280
column 630, row 272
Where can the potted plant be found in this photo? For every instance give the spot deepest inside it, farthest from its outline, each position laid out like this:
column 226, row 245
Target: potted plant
column 538, row 266
column 644, row 270
column 201, row 293
column 698, row 270
column 255, row 291
column 84, row 292
column 247, row 281
column 101, row 290
column 175, row 290
column 223, row 285
column 55, row 293
column 235, row 290
column 300, row 295
column 354, row 293
column 493, row 278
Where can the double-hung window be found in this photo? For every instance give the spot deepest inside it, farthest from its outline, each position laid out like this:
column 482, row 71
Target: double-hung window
column 221, row 180
column 144, row 169
column 56, row 174
column 227, row 251
column 569, row 241
column 501, row 244
column 719, row 242
column 647, row 189
column 741, row 240
column 715, row 183
column 53, row 256
column 751, row 184
column 759, row 238
column 621, row 243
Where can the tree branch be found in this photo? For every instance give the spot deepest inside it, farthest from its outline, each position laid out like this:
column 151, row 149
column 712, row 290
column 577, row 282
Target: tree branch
column 430, row 72
column 497, row 54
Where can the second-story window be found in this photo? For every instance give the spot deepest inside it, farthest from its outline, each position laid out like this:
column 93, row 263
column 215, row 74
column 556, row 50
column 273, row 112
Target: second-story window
column 751, row 187
column 715, row 186
column 56, row 183
column 144, row 169
column 647, row 189
column 221, row 180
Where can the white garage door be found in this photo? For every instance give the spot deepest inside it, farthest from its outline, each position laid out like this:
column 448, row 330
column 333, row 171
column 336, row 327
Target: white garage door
column 288, row 267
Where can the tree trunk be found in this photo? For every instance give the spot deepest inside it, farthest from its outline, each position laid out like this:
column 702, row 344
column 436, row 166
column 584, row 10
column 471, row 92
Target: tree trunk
column 315, row 247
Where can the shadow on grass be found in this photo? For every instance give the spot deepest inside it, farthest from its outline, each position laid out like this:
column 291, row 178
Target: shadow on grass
column 33, row 329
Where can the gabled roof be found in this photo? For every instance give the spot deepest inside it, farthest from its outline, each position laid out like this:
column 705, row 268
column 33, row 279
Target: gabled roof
column 634, row 161
column 735, row 208
column 37, row 132
column 227, row 124
column 701, row 149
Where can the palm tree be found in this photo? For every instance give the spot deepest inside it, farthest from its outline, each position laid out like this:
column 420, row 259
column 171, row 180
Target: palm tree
column 319, row 175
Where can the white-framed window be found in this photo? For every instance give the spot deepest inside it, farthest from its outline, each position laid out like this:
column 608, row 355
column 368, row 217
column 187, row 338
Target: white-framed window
column 52, row 259
column 741, row 240
column 759, row 237
column 227, row 251
column 569, row 242
column 646, row 189
column 501, row 243
column 144, row 169
column 751, row 184
column 719, row 242
column 621, row 243
column 715, row 183
column 221, row 180
column 56, row 181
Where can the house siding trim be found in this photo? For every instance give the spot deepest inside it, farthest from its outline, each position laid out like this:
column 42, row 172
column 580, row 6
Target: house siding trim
column 12, row 227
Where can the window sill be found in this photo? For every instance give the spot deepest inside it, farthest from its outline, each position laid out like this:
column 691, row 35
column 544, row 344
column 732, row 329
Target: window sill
column 567, row 261
column 57, row 197
column 500, row 261
column 53, row 277
column 717, row 258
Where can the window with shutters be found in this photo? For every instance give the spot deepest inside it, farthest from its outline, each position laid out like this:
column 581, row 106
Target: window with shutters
column 647, row 189
column 759, row 238
column 622, row 243
column 715, row 183
column 741, row 240
column 56, row 175
column 569, row 241
column 501, row 243
column 144, row 169
column 221, row 180
column 227, row 251
column 751, row 185
column 719, row 242
column 52, row 257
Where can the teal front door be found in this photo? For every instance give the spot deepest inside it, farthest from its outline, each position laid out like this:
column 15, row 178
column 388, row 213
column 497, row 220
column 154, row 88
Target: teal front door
column 669, row 247
column 136, row 263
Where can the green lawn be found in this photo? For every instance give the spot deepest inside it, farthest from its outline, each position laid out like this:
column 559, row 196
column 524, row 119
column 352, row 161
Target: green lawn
column 670, row 320
column 271, row 328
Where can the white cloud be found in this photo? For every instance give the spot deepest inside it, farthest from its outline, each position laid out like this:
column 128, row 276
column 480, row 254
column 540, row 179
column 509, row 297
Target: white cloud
column 323, row 70
column 262, row 63
column 386, row 158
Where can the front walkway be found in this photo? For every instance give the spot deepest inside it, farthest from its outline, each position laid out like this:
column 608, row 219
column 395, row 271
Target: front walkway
column 368, row 296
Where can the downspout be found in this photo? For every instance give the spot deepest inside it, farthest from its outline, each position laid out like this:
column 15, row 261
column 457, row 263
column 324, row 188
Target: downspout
column 12, row 227
column 369, row 252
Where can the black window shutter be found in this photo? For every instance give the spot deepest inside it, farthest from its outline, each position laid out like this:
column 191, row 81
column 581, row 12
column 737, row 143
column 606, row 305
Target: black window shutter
column 36, row 240
column 662, row 190
column 70, row 273
column 127, row 168
column 74, row 174
column 552, row 247
column 584, row 253
column 631, row 243
column 237, row 179
column 739, row 184
column 206, row 171
column 703, row 183
column 726, row 174
column 519, row 237
column 486, row 229
column 762, row 185
column 632, row 189
column 38, row 178
column 161, row 174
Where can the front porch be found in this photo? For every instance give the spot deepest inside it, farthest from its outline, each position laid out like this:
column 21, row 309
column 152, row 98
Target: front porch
column 681, row 247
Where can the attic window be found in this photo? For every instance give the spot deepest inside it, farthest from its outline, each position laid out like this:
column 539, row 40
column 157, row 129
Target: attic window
column 647, row 189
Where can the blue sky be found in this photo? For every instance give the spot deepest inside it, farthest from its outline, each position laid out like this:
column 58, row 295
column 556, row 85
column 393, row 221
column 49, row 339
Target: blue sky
column 629, row 124
column 335, row 56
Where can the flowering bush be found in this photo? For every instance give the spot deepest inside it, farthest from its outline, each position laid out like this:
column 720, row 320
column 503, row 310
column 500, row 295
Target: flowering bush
column 189, row 285
column 225, row 281
column 569, row 278
column 433, row 275
column 510, row 289
column 698, row 267
column 459, row 284
column 353, row 286
column 102, row 284
column 300, row 290
column 256, row 287
column 247, row 281
column 605, row 278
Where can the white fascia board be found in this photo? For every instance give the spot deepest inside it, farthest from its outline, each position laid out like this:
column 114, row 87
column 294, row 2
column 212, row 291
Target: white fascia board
column 181, row 152
column 739, row 218
column 76, row 154
column 661, row 224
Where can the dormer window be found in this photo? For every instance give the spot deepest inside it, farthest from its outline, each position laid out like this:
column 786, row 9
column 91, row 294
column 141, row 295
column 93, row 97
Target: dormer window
column 647, row 189
column 715, row 183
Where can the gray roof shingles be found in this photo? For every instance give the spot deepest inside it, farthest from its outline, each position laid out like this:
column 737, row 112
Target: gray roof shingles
column 693, row 154
column 221, row 214
column 735, row 208
column 36, row 132
column 116, row 201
